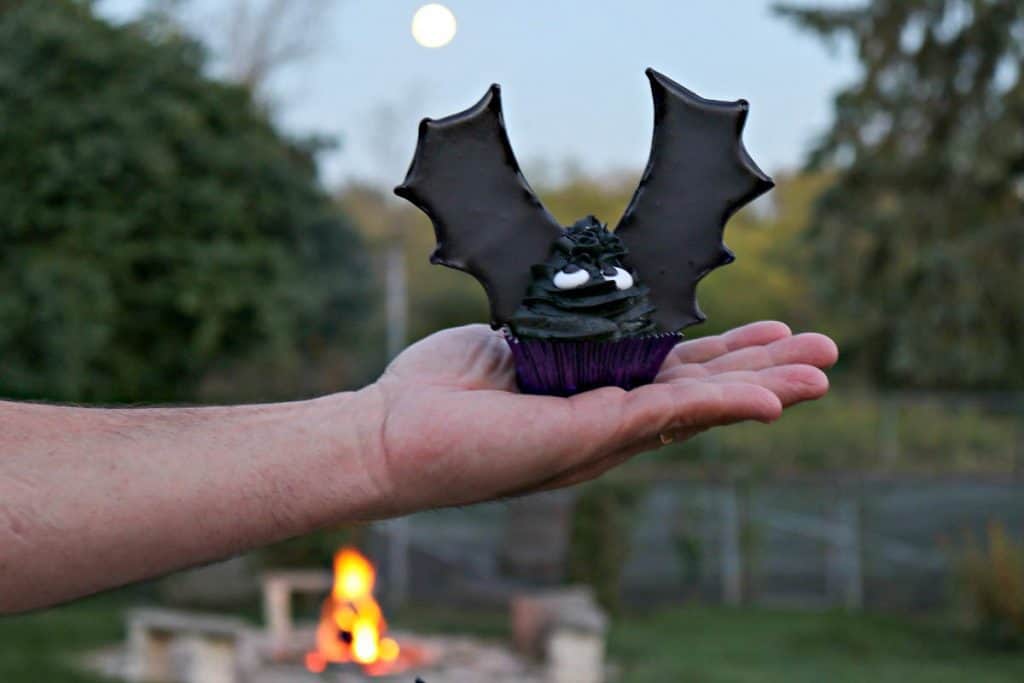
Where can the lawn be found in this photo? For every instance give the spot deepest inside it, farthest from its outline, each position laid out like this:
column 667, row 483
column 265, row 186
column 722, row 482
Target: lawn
column 699, row 644
column 715, row 645
column 37, row 648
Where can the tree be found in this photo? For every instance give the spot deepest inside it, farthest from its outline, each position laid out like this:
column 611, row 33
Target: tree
column 919, row 243
column 253, row 40
column 155, row 225
column 438, row 297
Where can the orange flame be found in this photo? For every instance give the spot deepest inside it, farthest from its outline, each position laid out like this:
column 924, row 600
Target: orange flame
column 351, row 627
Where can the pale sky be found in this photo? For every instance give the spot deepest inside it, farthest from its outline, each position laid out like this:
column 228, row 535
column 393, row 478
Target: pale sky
column 571, row 73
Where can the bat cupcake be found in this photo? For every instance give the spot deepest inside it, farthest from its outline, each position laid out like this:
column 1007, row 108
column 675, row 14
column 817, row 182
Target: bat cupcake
column 581, row 306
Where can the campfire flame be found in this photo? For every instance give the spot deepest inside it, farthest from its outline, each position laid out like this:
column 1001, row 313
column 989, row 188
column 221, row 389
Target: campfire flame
column 352, row 626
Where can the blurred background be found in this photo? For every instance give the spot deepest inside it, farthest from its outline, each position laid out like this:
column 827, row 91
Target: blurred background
column 195, row 206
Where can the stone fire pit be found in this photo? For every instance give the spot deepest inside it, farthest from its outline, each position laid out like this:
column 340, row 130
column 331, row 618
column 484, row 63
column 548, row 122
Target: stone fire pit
column 559, row 638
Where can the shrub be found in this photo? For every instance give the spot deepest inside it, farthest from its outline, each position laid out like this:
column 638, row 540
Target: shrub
column 154, row 222
column 852, row 430
column 600, row 538
column 993, row 580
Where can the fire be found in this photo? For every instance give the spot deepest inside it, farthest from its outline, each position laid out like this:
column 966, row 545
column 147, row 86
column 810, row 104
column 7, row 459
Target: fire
column 352, row 626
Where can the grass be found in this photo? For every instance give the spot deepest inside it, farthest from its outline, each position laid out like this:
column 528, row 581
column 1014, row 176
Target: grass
column 41, row 647
column 715, row 645
column 681, row 645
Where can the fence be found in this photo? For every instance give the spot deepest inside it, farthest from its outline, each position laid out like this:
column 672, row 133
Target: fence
column 878, row 542
column 861, row 542
column 944, row 465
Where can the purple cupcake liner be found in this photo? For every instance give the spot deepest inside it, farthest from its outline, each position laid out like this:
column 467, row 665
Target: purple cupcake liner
column 564, row 368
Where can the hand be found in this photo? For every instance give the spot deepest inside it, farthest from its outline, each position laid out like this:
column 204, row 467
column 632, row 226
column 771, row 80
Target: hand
column 456, row 431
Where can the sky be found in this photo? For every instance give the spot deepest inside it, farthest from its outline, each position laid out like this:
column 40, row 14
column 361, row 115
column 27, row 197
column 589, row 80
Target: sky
column 571, row 71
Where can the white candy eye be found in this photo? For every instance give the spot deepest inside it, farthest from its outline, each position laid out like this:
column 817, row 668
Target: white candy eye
column 623, row 280
column 564, row 280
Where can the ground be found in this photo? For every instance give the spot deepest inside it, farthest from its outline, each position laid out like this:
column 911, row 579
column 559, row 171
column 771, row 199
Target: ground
column 37, row 647
column 678, row 645
column 715, row 645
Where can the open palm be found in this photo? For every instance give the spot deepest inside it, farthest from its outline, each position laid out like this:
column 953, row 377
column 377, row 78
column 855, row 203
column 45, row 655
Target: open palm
column 456, row 430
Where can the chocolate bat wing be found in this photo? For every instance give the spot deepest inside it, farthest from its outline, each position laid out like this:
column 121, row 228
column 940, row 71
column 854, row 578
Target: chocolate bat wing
column 487, row 220
column 697, row 176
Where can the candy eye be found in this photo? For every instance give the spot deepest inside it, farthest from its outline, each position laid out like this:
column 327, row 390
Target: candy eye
column 622, row 278
column 564, row 280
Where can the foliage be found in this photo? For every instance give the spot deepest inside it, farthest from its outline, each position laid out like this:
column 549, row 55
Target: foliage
column 768, row 280
column 437, row 297
column 860, row 432
column 155, row 223
column 580, row 195
column 42, row 646
column 690, row 553
column 599, row 541
column 918, row 242
column 316, row 549
column 993, row 580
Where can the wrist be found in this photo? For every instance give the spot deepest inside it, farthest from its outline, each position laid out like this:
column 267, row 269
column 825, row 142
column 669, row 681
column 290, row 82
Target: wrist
column 346, row 474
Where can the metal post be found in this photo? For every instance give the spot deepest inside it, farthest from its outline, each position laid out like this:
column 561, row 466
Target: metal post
column 397, row 295
column 844, row 577
column 732, row 562
column 889, row 428
column 1018, row 447
column 397, row 322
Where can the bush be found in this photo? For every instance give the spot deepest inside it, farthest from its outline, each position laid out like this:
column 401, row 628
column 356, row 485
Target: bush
column 857, row 431
column 316, row 549
column 993, row 580
column 599, row 543
column 154, row 223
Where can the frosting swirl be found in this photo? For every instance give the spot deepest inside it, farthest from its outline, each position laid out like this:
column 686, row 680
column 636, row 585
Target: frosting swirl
column 582, row 292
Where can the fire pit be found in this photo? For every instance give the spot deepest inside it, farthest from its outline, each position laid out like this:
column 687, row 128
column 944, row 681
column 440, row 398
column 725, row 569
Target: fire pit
column 449, row 660
column 352, row 627
column 560, row 636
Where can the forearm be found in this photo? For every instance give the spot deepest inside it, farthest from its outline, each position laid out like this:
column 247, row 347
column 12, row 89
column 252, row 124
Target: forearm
column 94, row 498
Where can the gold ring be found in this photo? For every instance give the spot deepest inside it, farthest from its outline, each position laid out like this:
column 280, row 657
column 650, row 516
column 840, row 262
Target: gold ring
column 666, row 439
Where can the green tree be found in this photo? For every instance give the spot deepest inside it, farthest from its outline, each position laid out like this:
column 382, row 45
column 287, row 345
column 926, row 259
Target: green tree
column 600, row 536
column 437, row 297
column 919, row 243
column 154, row 223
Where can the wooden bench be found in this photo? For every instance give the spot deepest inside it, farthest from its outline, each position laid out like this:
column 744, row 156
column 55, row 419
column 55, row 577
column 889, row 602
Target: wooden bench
column 278, row 588
column 183, row 647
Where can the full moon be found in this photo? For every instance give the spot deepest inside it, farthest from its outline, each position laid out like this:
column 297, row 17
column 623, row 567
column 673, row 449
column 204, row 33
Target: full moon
column 433, row 25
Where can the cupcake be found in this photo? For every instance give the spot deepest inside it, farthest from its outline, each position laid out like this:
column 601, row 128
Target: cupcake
column 583, row 307
column 585, row 321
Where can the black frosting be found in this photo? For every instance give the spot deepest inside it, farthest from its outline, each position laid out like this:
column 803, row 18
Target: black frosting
column 594, row 311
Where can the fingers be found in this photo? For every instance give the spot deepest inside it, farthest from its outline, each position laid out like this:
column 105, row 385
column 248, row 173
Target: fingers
column 706, row 348
column 472, row 356
column 808, row 349
column 657, row 408
column 679, row 410
column 803, row 349
column 621, row 424
column 750, row 373
column 790, row 383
